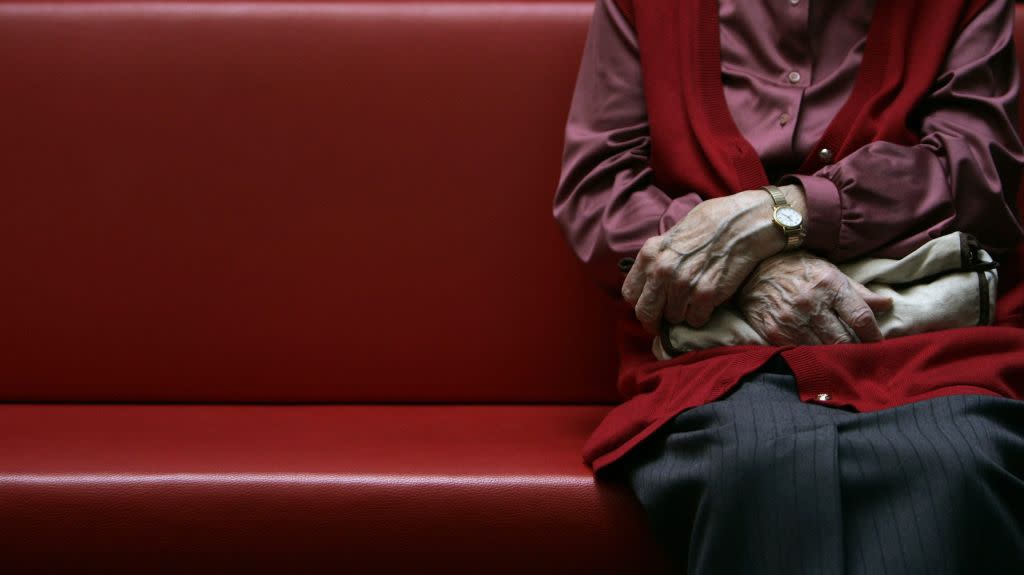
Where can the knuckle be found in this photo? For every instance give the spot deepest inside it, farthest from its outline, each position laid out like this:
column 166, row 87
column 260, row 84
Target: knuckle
column 829, row 279
column 652, row 287
column 681, row 284
column 862, row 318
column 664, row 269
column 651, row 247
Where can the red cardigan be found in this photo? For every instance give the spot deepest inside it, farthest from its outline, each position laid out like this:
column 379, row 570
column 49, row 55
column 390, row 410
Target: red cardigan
column 697, row 146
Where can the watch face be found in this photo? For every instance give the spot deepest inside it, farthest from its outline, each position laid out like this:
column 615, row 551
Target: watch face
column 788, row 217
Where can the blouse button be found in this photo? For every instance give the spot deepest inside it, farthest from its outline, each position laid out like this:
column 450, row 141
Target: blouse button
column 825, row 155
column 794, row 77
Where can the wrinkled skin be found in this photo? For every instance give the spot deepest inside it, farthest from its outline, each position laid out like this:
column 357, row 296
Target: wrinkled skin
column 700, row 263
column 795, row 298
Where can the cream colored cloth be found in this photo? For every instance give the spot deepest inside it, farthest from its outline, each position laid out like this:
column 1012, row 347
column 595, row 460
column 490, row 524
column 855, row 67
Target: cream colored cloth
column 949, row 282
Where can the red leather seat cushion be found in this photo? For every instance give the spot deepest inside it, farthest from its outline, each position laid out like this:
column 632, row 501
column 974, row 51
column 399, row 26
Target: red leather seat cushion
column 353, row 489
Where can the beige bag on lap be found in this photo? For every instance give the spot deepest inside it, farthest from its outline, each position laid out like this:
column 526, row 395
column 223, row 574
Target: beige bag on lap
column 947, row 283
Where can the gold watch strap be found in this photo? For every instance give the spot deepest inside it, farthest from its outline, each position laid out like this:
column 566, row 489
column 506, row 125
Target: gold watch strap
column 777, row 196
column 794, row 240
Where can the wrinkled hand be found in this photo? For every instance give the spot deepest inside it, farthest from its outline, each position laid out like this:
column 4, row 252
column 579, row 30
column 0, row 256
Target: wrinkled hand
column 796, row 298
column 699, row 264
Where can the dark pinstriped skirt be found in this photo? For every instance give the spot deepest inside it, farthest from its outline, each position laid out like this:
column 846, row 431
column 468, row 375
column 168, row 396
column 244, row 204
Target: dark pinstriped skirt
column 760, row 482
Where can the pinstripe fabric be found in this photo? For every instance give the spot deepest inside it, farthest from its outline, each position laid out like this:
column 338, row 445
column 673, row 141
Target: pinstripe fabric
column 760, row 482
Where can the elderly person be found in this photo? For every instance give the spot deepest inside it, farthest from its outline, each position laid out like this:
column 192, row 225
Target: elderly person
column 882, row 125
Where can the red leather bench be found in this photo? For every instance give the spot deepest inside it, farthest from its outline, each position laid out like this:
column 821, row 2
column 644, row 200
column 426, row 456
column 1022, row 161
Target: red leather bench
column 281, row 291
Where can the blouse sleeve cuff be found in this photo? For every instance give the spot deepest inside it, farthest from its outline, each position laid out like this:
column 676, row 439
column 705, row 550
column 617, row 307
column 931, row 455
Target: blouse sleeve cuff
column 824, row 212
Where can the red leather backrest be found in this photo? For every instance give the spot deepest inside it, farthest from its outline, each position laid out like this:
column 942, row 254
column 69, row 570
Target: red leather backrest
column 291, row 202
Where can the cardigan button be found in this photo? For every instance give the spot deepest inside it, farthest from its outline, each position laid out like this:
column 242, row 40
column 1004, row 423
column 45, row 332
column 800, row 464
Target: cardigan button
column 823, row 397
column 825, row 155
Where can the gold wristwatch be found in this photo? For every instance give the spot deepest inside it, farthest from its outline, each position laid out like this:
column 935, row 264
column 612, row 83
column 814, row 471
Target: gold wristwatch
column 786, row 218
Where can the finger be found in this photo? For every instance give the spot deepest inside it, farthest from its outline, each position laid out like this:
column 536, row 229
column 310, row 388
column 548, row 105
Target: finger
column 676, row 295
column 676, row 285
column 635, row 280
column 854, row 311
column 700, row 307
column 650, row 306
column 877, row 302
column 830, row 330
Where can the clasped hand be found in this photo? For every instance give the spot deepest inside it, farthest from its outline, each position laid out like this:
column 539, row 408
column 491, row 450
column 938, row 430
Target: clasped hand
column 796, row 298
column 790, row 298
